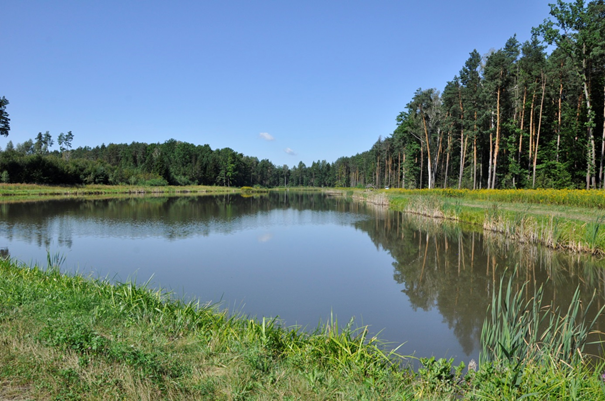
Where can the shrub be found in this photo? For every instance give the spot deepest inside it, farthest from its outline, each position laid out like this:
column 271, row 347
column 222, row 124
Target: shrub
column 156, row 182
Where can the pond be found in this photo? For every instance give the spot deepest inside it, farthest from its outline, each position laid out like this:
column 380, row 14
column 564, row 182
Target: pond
column 302, row 257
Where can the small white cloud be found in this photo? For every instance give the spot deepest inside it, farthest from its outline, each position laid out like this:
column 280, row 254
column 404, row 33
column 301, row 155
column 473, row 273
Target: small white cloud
column 266, row 136
column 290, row 152
column 265, row 237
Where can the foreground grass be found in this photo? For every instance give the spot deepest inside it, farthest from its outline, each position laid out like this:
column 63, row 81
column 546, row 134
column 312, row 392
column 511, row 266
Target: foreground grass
column 69, row 337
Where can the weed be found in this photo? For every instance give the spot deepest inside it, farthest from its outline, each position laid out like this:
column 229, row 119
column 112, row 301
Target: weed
column 592, row 231
column 440, row 374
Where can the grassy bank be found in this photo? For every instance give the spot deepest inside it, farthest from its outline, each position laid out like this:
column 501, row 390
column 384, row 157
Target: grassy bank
column 69, row 337
column 33, row 191
column 561, row 219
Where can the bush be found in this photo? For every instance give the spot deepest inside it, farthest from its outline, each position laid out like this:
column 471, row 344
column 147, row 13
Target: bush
column 156, row 182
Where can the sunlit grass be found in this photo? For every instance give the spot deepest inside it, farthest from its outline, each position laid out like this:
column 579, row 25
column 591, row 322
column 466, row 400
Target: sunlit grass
column 561, row 197
column 69, row 335
column 24, row 190
column 514, row 213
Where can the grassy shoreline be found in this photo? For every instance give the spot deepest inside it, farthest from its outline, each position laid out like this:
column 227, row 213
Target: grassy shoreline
column 34, row 191
column 73, row 337
column 572, row 220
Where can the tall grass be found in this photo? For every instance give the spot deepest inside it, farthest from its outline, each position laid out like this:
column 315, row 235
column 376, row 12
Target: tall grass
column 561, row 197
column 592, row 231
column 520, row 330
column 84, row 327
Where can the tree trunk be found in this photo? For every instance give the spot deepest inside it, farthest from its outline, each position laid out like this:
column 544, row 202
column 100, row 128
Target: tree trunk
column 428, row 151
column 475, row 153
column 559, row 113
column 462, row 145
column 538, row 133
column 438, row 158
column 521, row 133
column 399, row 172
column 386, row 169
column 531, row 132
column 602, row 145
column 403, row 177
column 447, row 158
column 491, row 152
column 377, row 183
column 590, row 156
column 421, row 163
column 462, row 157
column 497, row 146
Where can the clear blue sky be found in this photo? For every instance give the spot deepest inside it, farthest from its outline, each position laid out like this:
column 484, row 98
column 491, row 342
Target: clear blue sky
column 324, row 79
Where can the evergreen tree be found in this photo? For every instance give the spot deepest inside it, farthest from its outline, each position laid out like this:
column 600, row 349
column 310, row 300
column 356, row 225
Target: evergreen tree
column 4, row 120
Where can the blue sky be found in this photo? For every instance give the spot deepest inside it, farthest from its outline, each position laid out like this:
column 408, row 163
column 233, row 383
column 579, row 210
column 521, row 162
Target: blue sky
column 288, row 81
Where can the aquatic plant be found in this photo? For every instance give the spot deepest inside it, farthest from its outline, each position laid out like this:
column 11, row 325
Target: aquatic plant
column 592, row 231
column 518, row 330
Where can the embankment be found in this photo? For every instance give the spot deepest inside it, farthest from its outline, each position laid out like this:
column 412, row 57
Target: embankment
column 572, row 220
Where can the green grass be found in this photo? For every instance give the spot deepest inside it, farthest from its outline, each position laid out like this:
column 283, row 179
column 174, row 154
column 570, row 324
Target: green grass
column 67, row 337
column 559, row 197
column 25, row 191
column 560, row 219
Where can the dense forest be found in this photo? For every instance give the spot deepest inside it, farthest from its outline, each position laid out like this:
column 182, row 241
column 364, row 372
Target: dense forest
column 527, row 115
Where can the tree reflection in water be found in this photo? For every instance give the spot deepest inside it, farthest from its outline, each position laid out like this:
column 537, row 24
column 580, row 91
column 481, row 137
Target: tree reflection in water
column 457, row 269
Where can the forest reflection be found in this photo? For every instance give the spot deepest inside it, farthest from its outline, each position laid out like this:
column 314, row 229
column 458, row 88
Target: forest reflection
column 457, row 269
column 439, row 265
column 169, row 217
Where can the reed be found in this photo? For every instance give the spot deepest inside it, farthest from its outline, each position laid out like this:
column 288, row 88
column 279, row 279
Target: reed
column 520, row 330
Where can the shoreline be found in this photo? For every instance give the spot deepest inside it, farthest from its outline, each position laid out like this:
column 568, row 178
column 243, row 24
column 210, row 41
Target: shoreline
column 547, row 224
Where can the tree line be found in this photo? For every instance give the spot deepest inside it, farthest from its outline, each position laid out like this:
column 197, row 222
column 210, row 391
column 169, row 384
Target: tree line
column 172, row 162
column 517, row 117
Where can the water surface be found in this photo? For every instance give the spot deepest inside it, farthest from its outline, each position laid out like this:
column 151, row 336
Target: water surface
column 301, row 257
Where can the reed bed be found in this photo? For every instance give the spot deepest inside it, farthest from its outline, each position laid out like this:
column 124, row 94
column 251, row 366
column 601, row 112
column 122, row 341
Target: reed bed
column 554, row 232
column 521, row 334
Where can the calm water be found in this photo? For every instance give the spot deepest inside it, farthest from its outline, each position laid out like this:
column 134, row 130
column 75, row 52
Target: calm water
column 301, row 257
